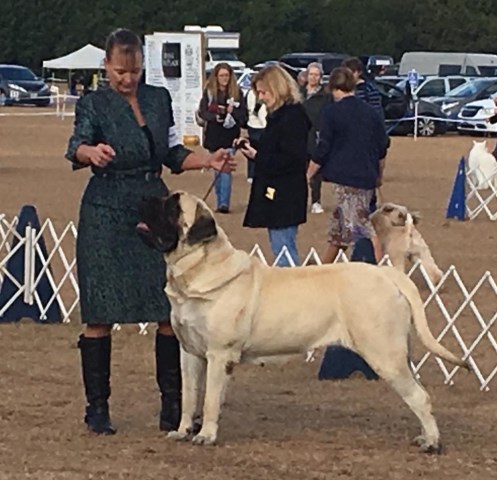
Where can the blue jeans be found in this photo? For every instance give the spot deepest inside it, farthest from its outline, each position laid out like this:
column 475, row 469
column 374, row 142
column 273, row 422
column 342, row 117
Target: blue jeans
column 223, row 189
column 284, row 237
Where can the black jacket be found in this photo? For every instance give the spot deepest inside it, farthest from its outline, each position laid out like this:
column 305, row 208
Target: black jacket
column 352, row 141
column 313, row 106
column 278, row 197
column 216, row 136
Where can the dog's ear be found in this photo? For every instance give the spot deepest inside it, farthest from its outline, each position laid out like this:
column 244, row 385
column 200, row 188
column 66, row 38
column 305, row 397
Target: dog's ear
column 203, row 228
column 387, row 208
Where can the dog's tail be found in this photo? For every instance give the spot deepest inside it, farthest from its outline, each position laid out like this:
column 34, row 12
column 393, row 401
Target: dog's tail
column 411, row 293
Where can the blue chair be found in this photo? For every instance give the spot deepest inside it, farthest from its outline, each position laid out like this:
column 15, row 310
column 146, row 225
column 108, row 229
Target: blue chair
column 339, row 362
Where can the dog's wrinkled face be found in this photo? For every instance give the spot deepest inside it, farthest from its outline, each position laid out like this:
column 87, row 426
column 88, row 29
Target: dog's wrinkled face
column 396, row 215
column 173, row 221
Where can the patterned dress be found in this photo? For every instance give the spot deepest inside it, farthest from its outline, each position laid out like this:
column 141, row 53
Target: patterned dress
column 121, row 280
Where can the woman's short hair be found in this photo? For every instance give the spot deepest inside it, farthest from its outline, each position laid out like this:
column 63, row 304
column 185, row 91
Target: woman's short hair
column 127, row 41
column 341, row 78
column 315, row 65
column 233, row 91
column 280, row 84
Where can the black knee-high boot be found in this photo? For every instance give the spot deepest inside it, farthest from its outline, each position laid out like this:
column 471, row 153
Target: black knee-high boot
column 95, row 363
column 167, row 358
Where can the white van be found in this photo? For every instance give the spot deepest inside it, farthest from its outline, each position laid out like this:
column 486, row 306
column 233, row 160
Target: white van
column 449, row 63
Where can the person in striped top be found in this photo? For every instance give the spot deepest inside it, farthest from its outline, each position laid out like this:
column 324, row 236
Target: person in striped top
column 365, row 89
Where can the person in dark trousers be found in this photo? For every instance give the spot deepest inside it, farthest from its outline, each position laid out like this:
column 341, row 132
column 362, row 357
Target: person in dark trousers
column 315, row 97
column 125, row 134
column 366, row 90
column 352, row 144
column 224, row 110
column 278, row 197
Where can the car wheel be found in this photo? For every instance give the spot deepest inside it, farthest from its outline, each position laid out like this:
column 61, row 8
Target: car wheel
column 426, row 127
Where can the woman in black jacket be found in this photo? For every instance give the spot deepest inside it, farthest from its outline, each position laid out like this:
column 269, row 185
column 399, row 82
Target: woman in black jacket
column 278, row 197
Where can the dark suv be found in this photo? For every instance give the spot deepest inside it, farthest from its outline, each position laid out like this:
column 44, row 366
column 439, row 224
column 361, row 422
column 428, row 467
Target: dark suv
column 397, row 105
column 19, row 85
column 328, row 60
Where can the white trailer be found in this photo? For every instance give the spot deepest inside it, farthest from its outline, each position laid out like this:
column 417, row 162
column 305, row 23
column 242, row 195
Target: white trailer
column 220, row 46
column 449, row 63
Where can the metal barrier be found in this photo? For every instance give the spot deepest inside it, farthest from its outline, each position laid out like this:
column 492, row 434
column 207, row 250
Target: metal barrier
column 481, row 200
column 60, row 101
column 463, row 316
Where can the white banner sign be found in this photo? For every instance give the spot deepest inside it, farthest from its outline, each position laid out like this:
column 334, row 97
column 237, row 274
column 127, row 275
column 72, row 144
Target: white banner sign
column 176, row 61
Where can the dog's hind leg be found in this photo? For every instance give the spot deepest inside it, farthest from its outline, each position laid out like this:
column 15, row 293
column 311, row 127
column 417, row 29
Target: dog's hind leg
column 220, row 365
column 193, row 379
column 401, row 378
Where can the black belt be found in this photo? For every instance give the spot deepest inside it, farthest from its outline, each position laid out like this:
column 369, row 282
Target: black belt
column 146, row 175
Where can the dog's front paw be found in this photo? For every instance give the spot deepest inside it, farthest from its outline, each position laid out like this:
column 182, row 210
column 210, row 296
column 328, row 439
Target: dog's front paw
column 178, row 436
column 433, row 448
column 418, row 441
column 204, row 439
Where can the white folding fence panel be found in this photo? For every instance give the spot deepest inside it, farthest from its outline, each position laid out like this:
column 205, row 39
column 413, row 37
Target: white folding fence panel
column 463, row 317
column 481, row 194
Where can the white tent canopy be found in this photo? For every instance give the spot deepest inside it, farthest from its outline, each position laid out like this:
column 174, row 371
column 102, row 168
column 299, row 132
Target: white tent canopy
column 88, row 57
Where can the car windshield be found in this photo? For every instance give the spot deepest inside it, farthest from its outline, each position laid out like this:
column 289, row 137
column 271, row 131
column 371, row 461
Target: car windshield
column 469, row 88
column 11, row 73
column 330, row 63
column 224, row 55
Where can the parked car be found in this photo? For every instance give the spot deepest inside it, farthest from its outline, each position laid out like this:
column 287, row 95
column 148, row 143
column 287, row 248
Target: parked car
column 291, row 70
column 328, row 60
column 453, row 102
column 473, row 118
column 397, row 105
column 19, row 85
column 244, row 79
column 377, row 64
column 435, row 86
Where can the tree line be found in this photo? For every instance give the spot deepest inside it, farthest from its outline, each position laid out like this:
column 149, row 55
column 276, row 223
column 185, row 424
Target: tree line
column 35, row 30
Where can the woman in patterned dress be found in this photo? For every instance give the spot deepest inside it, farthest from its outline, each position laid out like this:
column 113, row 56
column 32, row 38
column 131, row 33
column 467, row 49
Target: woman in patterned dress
column 352, row 143
column 125, row 133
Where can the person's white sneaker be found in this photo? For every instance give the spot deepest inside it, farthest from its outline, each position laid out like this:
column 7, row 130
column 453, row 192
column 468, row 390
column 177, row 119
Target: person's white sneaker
column 316, row 208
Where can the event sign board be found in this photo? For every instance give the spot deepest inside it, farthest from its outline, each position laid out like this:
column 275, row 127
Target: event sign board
column 175, row 60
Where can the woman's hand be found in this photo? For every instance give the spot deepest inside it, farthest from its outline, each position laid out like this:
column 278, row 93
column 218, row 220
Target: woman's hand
column 244, row 146
column 101, row 155
column 248, row 151
column 222, row 160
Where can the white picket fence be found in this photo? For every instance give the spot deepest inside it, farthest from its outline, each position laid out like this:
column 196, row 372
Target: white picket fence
column 460, row 316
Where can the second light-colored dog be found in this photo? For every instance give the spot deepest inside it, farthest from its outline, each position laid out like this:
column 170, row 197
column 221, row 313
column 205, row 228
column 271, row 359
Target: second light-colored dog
column 482, row 166
column 396, row 229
